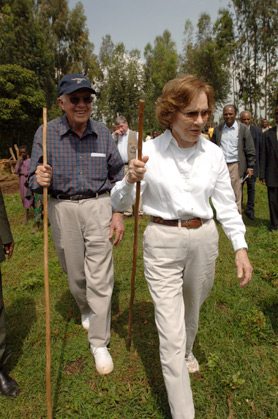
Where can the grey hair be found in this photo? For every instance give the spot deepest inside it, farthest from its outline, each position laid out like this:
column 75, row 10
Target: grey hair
column 120, row 120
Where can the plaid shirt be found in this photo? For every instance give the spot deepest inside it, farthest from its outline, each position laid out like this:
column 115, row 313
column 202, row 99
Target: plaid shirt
column 91, row 163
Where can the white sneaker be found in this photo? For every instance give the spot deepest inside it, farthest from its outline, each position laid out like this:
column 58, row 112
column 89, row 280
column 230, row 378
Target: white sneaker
column 103, row 360
column 192, row 364
column 85, row 320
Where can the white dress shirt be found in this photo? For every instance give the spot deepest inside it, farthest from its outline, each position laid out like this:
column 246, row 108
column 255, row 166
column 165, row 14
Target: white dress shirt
column 122, row 146
column 179, row 183
column 229, row 142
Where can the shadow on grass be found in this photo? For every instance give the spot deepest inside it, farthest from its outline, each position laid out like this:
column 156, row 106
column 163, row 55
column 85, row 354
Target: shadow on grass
column 258, row 222
column 20, row 316
column 270, row 310
column 68, row 308
column 145, row 342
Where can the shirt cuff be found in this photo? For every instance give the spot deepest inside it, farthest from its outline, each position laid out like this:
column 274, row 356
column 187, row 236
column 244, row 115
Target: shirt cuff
column 239, row 242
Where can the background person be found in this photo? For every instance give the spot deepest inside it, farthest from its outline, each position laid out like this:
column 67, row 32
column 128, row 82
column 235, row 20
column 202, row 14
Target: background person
column 269, row 170
column 8, row 386
column 38, row 212
column 180, row 172
column 22, row 169
column 127, row 143
column 83, row 165
column 238, row 147
column 256, row 132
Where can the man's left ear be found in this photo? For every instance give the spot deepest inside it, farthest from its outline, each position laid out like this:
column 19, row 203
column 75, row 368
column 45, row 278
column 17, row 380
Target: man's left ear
column 61, row 103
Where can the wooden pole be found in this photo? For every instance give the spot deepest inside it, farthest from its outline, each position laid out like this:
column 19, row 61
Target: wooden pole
column 46, row 279
column 136, row 212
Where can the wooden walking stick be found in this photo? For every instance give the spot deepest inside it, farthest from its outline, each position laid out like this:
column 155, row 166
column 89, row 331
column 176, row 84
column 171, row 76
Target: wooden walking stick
column 46, row 280
column 136, row 211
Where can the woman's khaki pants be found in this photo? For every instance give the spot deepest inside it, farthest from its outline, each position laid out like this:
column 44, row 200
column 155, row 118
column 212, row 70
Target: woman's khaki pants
column 179, row 269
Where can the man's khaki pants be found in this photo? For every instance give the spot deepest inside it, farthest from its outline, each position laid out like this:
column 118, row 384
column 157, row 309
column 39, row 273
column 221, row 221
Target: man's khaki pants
column 236, row 183
column 80, row 231
column 179, row 269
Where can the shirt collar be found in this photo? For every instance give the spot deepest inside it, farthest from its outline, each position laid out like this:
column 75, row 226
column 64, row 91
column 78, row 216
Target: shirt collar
column 65, row 127
column 168, row 138
column 234, row 126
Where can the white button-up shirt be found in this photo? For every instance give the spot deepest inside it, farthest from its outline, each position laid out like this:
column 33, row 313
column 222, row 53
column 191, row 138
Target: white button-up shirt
column 179, row 183
column 229, row 142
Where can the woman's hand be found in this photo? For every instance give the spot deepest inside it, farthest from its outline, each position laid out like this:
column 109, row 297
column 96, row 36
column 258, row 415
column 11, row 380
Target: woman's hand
column 243, row 267
column 136, row 170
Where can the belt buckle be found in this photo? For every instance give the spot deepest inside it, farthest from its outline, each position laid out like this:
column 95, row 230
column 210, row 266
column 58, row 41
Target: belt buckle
column 75, row 197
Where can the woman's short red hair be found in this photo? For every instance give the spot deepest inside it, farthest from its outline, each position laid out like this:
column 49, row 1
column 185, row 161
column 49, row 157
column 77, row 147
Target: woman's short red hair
column 177, row 94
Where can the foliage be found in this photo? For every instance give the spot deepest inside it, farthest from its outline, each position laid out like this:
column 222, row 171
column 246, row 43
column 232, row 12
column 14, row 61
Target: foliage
column 256, row 58
column 21, row 102
column 237, row 342
column 210, row 55
column 45, row 37
column 120, row 83
column 160, row 67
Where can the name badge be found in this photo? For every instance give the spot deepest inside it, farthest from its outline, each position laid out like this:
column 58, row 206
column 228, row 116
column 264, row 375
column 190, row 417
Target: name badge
column 98, row 155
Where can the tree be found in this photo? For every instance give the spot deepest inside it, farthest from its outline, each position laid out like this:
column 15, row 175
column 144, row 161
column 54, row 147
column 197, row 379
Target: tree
column 257, row 31
column 46, row 37
column 21, row 103
column 209, row 57
column 119, row 84
column 160, row 67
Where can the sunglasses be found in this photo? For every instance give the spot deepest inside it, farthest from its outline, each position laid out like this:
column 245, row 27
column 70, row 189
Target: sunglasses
column 75, row 100
column 194, row 114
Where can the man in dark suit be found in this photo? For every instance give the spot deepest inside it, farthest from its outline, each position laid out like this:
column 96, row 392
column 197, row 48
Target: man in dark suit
column 245, row 118
column 269, row 170
column 238, row 147
column 8, row 386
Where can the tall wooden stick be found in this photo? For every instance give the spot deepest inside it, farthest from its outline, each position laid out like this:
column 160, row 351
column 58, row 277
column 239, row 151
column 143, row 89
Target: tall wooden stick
column 46, row 280
column 136, row 212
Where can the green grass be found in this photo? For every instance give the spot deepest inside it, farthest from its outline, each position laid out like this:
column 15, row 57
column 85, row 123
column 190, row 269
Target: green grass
column 236, row 344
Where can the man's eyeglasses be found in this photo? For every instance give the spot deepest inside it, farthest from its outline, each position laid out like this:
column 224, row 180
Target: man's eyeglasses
column 75, row 100
column 194, row 114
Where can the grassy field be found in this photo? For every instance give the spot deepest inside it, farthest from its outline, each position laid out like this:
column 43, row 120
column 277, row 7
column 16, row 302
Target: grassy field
column 236, row 344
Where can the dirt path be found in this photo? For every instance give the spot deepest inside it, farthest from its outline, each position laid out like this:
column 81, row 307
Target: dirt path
column 9, row 184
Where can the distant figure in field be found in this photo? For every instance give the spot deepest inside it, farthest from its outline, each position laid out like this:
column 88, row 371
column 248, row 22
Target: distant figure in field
column 238, row 147
column 269, row 170
column 265, row 125
column 155, row 134
column 22, row 169
column 256, row 132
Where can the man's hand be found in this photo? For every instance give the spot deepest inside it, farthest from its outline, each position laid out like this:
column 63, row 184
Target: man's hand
column 250, row 172
column 117, row 225
column 118, row 131
column 243, row 267
column 136, row 170
column 8, row 249
column 44, row 175
column 262, row 181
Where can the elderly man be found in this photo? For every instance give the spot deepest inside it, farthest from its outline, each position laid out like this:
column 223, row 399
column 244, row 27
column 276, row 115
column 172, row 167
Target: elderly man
column 126, row 141
column 245, row 118
column 83, row 165
column 238, row 147
column 269, row 170
column 8, row 386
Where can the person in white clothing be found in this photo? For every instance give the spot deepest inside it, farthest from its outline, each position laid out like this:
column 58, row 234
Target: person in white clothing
column 180, row 172
column 127, row 143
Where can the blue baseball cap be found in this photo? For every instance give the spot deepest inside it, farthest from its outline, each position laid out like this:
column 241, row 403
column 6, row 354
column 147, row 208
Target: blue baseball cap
column 73, row 82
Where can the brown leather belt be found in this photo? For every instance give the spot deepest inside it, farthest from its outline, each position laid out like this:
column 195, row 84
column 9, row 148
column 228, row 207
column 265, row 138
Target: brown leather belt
column 193, row 223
